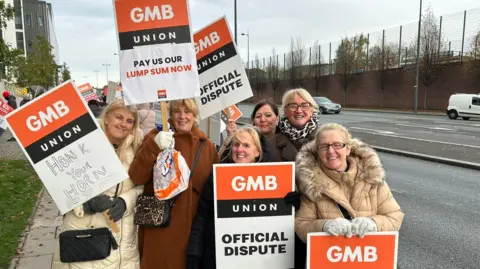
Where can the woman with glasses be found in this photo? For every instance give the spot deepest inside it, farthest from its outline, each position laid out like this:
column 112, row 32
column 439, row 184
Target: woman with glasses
column 343, row 187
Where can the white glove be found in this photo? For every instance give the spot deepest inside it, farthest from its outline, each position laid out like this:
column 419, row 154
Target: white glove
column 363, row 225
column 338, row 226
column 164, row 140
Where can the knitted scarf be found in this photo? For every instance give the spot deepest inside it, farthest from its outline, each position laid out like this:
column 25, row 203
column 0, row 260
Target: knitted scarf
column 293, row 133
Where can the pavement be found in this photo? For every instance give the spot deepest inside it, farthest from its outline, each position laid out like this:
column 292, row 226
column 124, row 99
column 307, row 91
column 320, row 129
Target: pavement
column 427, row 136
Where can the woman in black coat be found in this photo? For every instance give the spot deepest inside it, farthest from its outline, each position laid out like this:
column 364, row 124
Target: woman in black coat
column 201, row 245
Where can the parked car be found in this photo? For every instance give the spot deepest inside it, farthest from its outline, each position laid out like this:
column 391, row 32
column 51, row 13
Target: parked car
column 463, row 105
column 327, row 106
column 96, row 107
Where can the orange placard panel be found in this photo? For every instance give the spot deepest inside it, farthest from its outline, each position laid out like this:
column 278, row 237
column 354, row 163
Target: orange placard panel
column 234, row 112
column 47, row 114
column 374, row 251
column 253, row 182
column 212, row 38
column 85, row 87
column 150, row 14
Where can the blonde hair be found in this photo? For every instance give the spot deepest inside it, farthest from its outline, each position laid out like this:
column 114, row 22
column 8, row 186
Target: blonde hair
column 335, row 127
column 226, row 152
column 136, row 133
column 290, row 95
column 190, row 104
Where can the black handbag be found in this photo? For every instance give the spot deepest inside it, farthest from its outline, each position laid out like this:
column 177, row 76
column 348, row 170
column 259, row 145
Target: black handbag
column 87, row 245
column 153, row 213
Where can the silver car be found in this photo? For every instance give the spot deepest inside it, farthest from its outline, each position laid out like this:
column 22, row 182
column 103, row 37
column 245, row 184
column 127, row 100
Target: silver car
column 327, row 106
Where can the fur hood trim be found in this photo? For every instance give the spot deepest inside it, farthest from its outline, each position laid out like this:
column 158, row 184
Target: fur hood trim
column 312, row 181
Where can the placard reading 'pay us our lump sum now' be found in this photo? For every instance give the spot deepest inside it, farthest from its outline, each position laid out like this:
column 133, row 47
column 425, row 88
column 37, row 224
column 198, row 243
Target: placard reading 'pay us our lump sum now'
column 254, row 227
column 66, row 147
column 223, row 80
column 157, row 56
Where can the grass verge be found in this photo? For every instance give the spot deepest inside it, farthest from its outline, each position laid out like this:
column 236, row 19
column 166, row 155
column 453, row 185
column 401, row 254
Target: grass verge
column 19, row 187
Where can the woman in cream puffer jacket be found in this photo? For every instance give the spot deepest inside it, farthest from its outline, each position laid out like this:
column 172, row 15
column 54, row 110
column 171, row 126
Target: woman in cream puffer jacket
column 337, row 171
column 126, row 256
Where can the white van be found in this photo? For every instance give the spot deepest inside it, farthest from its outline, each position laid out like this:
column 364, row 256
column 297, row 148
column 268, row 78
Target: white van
column 464, row 105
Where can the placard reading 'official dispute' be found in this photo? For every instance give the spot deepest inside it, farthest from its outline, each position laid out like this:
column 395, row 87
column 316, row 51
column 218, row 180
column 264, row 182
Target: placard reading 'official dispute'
column 157, row 56
column 87, row 92
column 66, row 147
column 254, row 227
column 223, row 79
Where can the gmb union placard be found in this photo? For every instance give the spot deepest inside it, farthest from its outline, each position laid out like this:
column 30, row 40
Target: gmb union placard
column 376, row 250
column 157, row 56
column 254, row 227
column 223, row 80
column 87, row 92
column 66, row 147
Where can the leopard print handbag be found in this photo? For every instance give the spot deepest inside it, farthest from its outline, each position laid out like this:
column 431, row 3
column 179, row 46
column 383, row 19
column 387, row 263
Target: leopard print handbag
column 151, row 212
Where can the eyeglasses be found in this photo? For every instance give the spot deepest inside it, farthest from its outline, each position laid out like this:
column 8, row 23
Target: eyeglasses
column 336, row 145
column 293, row 107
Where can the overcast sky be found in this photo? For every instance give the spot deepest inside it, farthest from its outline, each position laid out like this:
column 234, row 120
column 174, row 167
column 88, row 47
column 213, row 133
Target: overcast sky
column 86, row 34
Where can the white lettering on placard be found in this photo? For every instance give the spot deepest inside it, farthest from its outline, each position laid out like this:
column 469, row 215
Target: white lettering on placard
column 268, row 183
column 59, row 110
column 335, row 254
column 164, row 12
column 206, row 42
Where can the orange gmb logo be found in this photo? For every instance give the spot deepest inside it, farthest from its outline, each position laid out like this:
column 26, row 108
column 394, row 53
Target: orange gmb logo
column 147, row 14
column 253, row 181
column 233, row 112
column 374, row 251
column 162, row 94
column 46, row 114
column 211, row 38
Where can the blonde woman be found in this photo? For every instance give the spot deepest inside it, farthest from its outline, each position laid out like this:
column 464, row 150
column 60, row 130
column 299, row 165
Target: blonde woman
column 246, row 145
column 343, row 187
column 166, row 247
column 120, row 124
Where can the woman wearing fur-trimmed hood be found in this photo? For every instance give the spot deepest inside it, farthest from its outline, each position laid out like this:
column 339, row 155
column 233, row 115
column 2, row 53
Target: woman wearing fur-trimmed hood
column 343, row 187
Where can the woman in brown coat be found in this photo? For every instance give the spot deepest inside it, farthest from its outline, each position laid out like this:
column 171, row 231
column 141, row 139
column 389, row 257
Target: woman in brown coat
column 166, row 248
column 343, row 187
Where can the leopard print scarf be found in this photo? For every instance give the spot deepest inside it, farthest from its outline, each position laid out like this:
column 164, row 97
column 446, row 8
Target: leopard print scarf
column 293, row 133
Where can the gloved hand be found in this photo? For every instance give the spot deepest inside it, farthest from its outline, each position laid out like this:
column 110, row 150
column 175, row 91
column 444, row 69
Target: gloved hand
column 192, row 262
column 363, row 225
column 97, row 204
column 338, row 226
column 117, row 211
column 293, row 198
column 164, row 140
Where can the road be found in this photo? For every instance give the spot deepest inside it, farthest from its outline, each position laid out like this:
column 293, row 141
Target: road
column 426, row 134
column 440, row 229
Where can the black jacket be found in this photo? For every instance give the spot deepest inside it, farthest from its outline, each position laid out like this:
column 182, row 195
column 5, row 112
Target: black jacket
column 12, row 101
column 201, row 245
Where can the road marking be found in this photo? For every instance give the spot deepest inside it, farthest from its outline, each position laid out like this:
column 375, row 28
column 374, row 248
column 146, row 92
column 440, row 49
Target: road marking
column 374, row 132
column 418, row 126
column 459, row 124
column 398, row 191
column 378, row 131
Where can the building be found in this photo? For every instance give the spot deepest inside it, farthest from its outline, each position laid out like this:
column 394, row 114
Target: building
column 32, row 18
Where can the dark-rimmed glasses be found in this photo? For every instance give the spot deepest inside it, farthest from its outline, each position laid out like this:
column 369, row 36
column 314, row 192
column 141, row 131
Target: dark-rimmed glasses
column 336, row 146
column 304, row 106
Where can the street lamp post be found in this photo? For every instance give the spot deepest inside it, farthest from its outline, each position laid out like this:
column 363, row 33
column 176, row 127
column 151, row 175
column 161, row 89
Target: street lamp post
column 235, row 18
column 96, row 72
column 106, row 64
column 248, row 49
column 415, row 100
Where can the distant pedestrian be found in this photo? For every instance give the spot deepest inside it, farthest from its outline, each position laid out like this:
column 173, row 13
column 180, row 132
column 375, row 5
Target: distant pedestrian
column 12, row 102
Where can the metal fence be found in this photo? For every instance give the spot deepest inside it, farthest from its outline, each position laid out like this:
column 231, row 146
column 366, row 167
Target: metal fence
column 455, row 38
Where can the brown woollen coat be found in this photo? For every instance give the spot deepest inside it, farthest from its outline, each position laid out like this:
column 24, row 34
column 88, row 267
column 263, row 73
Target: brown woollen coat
column 166, row 248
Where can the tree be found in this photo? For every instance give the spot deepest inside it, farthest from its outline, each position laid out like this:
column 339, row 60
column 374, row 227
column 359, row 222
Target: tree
column 349, row 54
column 65, row 72
column 316, row 59
column 7, row 53
column 295, row 60
column 39, row 68
column 473, row 62
column 273, row 72
column 431, row 50
column 382, row 58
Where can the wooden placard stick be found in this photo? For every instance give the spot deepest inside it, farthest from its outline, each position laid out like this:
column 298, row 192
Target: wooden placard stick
column 111, row 222
column 163, row 107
